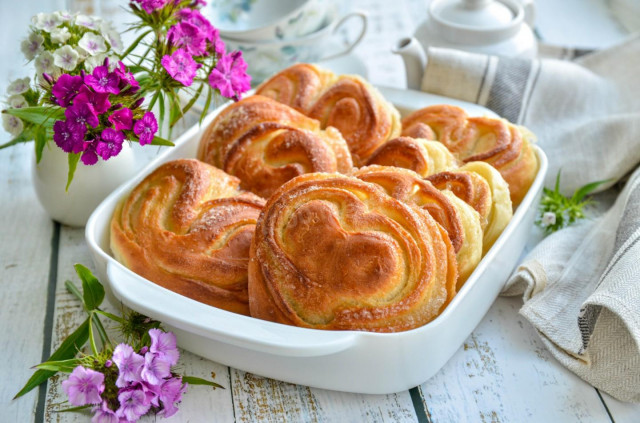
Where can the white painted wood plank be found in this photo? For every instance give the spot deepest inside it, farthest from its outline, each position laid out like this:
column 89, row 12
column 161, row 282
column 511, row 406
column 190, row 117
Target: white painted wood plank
column 503, row 372
column 622, row 412
column 199, row 404
column 25, row 239
column 259, row 399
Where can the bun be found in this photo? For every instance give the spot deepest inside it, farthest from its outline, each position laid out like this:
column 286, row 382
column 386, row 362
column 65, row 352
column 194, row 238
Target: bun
column 346, row 102
column 265, row 143
column 187, row 227
column 418, row 154
column 505, row 146
column 334, row 252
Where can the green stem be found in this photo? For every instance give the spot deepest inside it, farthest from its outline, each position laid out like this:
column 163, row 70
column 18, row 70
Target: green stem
column 104, row 338
column 110, row 316
column 74, row 290
column 92, row 340
column 135, row 44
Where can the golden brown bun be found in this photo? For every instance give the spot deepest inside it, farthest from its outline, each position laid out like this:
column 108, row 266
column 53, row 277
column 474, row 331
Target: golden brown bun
column 346, row 102
column 505, row 146
column 265, row 143
column 418, row 154
column 459, row 219
column 188, row 228
column 334, row 252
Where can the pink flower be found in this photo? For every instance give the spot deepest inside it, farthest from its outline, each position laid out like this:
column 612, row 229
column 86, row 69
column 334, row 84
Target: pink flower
column 164, row 344
column 103, row 414
column 170, row 393
column 230, row 75
column 66, row 88
column 134, row 404
column 68, row 137
column 99, row 101
column 122, row 119
column 84, row 386
column 129, row 365
column 110, row 143
column 126, row 78
column 146, row 128
column 89, row 156
column 155, row 369
column 151, row 5
column 103, row 81
column 189, row 36
column 81, row 114
column 181, row 66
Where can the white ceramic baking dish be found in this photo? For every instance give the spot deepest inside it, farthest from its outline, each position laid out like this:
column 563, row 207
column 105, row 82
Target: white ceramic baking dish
column 350, row 361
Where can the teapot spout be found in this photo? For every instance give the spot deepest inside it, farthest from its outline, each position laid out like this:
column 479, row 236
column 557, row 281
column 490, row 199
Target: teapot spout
column 415, row 60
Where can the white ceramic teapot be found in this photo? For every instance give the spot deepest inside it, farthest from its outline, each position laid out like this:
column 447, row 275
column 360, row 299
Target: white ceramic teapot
column 497, row 27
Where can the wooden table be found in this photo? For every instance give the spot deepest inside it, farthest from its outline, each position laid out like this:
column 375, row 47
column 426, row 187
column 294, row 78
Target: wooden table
column 502, row 372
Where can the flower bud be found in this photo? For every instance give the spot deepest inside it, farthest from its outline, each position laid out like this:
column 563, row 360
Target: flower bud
column 144, row 350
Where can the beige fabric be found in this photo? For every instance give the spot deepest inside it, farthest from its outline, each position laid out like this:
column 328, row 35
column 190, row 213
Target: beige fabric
column 581, row 285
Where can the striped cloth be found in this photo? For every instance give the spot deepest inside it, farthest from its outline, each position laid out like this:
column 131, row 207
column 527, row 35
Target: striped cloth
column 581, row 285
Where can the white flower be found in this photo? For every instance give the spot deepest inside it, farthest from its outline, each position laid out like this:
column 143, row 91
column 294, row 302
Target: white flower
column 548, row 218
column 112, row 36
column 90, row 22
column 60, row 35
column 63, row 15
column 12, row 124
column 94, row 61
column 46, row 21
column 18, row 86
column 66, row 58
column 17, row 101
column 32, row 45
column 44, row 63
column 92, row 44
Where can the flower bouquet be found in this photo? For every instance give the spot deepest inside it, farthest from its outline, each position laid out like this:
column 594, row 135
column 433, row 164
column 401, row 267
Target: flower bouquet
column 90, row 94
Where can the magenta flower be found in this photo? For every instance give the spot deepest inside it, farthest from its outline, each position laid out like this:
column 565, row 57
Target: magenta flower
column 155, row 369
column 103, row 81
column 164, row 345
column 84, row 386
column 122, row 119
column 146, row 128
column 151, row 5
column 126, row 78
column 81, row 114
column 194, row 17
column 68, row 137
column 66, row 88
column 181, row 66
column 89, row 156
column 134, row 404
column 230, row 75
column 189, row 36
column 103, row 414
column 99, row 101
column 110, row 143
column 129, row 363
column 170, row 393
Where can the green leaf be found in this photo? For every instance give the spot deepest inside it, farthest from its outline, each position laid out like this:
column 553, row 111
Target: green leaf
column 41, row 141
column 161, row 141
column 190, row 104
column 135, row 44
column 23, row 137
column 557, row 188
column 67, row 350
column 72, row 288
column 584, row 190
column 73, row 163
column 41, row 115
column 92, row 289
column 193, row 380
column 65, row 366
column 207, row 103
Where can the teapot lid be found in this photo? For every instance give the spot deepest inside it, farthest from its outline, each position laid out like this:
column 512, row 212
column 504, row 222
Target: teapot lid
column 476, row 22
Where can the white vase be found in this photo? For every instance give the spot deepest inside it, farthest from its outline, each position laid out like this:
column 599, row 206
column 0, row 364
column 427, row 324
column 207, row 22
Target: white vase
column 90, row 185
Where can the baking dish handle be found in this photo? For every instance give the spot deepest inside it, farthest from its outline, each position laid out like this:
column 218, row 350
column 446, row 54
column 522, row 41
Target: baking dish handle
column 209, row 322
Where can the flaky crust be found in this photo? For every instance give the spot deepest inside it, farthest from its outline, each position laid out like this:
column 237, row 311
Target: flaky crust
column 334, row 252
column 505, row 146
column 188, row 228
column 265, row 143
column 346, row 102
column 459, row 220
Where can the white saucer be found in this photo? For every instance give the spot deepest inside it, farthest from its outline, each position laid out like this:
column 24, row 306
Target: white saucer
column 347, row 64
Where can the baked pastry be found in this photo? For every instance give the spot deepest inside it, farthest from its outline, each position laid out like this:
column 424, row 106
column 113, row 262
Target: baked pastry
column 458, row 218
column 346, row 102
column 188, row 227
column 265, row 143
column 505, row 146
column 481, row 186
column 418, row 154
column 334, row 252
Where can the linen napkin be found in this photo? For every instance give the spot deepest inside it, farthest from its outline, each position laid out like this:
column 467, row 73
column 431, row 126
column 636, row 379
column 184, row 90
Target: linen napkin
column 581, row 285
